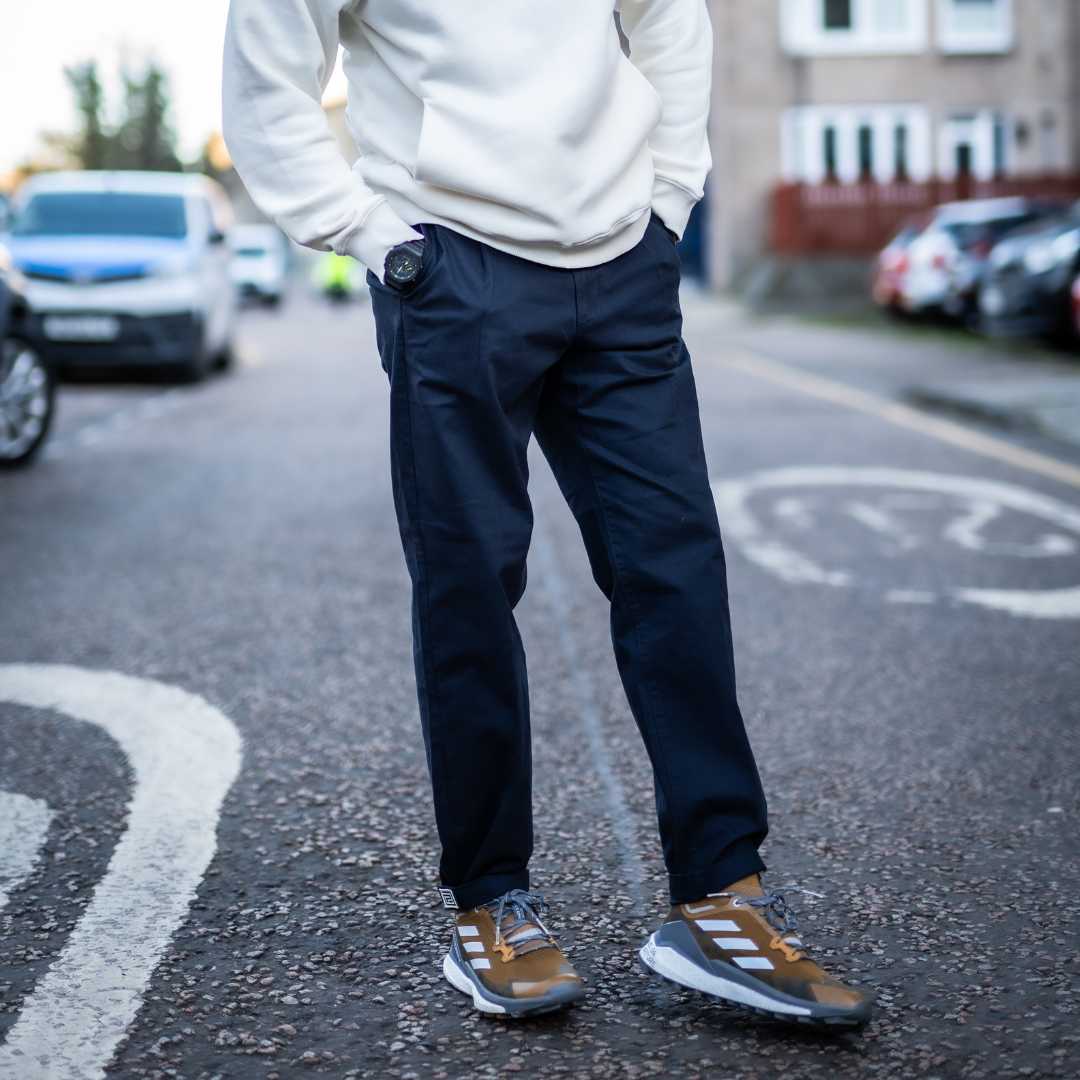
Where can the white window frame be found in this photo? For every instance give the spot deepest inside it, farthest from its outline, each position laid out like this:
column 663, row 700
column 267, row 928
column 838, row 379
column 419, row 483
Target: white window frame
column 802, row 141
column 803, row 33
column 954, row 38
column 977, row 130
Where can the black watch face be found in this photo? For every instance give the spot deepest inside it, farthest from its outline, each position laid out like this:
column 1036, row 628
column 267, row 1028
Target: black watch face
column 403, row 266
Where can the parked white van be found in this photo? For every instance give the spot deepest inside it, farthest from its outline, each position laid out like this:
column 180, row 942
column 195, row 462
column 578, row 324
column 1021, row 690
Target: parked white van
column 260, row 262
column 127, row 268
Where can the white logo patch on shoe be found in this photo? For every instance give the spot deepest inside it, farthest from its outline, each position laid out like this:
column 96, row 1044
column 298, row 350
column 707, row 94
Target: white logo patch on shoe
column 448, row 899
column 743, row 944
column 718, row 926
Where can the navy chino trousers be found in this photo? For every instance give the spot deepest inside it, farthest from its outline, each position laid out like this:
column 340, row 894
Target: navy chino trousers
column 488, row 350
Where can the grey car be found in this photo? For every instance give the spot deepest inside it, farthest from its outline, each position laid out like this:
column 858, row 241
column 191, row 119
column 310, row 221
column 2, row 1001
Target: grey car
column 27, row 385
column 1027, row 288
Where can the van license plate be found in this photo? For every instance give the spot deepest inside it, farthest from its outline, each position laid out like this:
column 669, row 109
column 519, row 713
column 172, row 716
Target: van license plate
column 81, row 327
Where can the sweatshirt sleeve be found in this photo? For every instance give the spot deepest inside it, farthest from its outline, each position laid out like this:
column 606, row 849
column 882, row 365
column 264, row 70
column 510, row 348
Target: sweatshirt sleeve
column 671, row 45
column 279, row 55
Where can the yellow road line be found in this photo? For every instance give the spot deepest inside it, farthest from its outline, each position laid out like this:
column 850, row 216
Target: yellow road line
column 902, row 416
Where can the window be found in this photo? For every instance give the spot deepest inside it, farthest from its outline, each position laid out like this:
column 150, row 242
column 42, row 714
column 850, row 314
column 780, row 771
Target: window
column 828, row 150
column 973, row 144
column 851, row 143
column 890, row 19
column 1000, row 141
column 964, row 154
column 975, row 26
column 853, row 27
column 900, row 152
column 838, row 15
column 102, row 213
column 866, row 152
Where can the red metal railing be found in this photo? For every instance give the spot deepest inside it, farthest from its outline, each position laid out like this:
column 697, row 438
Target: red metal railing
column 859, row 219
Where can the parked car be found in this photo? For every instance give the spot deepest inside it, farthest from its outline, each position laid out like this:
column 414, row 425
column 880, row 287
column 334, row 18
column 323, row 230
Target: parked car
column 891, row 267
column 27, row 388
column 127, row 268
column 1028, row 286
column 260, row 262
column 947, row 259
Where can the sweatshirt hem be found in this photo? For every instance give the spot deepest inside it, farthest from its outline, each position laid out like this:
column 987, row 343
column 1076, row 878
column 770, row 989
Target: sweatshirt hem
column 620, row 239
column 673, row 203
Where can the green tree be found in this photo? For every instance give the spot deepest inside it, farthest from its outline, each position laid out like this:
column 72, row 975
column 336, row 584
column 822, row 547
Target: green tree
column 145, row 138
column 92, row 145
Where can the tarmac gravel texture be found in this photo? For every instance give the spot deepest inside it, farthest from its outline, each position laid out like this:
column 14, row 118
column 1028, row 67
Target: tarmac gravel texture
column 921, row 760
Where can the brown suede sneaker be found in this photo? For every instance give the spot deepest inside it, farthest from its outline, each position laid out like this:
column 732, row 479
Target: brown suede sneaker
column 742, row 946
column 507, row 959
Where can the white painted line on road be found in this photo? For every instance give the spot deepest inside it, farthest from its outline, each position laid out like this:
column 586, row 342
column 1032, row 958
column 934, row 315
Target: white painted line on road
column 778, row 557
column 184, row 755
column 24, row 824
column 902, row 416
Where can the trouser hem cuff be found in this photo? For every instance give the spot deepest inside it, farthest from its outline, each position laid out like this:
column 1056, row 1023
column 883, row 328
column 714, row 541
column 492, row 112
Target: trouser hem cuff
column 482, row 890
column 742, row 861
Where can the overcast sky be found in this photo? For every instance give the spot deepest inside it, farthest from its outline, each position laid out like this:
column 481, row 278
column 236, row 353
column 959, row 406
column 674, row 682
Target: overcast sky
column 38, row 38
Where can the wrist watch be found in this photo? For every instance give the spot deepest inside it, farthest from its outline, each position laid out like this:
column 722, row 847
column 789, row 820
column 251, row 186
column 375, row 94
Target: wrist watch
column 403, row 265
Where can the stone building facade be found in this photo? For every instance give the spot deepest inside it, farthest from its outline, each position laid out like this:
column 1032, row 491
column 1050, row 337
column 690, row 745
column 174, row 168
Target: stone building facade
column 883, row 90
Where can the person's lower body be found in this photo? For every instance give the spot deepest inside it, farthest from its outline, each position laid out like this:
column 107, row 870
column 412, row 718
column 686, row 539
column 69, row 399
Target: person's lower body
column 488, row 350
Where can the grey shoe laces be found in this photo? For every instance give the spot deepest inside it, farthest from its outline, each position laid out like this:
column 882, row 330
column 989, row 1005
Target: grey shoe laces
column 525, row 909
column 776, row 910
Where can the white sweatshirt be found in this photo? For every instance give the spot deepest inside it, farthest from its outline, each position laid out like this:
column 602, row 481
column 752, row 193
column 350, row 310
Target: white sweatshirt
column 518, row 123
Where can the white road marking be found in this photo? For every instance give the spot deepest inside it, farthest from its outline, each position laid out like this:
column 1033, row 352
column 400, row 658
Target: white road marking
column 902, row 416
column 880, row 520
column 795, row 511
column 24, row 824
column 184, row 755
column 966, row 531
column 740, row 523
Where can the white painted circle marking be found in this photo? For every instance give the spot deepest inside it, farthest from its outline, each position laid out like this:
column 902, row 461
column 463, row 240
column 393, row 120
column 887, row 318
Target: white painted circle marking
column 184, row 755
column 984, row 501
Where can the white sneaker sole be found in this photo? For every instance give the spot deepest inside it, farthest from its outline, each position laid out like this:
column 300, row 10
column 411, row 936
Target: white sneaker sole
column 512, row 1009
column 672, row 965
column 460, row 981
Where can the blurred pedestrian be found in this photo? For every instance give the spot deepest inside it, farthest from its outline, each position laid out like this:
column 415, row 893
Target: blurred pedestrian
column 334, row 275
column 521, row 188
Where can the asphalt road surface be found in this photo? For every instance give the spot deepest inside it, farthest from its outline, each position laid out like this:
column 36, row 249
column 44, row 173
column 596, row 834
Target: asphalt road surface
column 906, row 600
